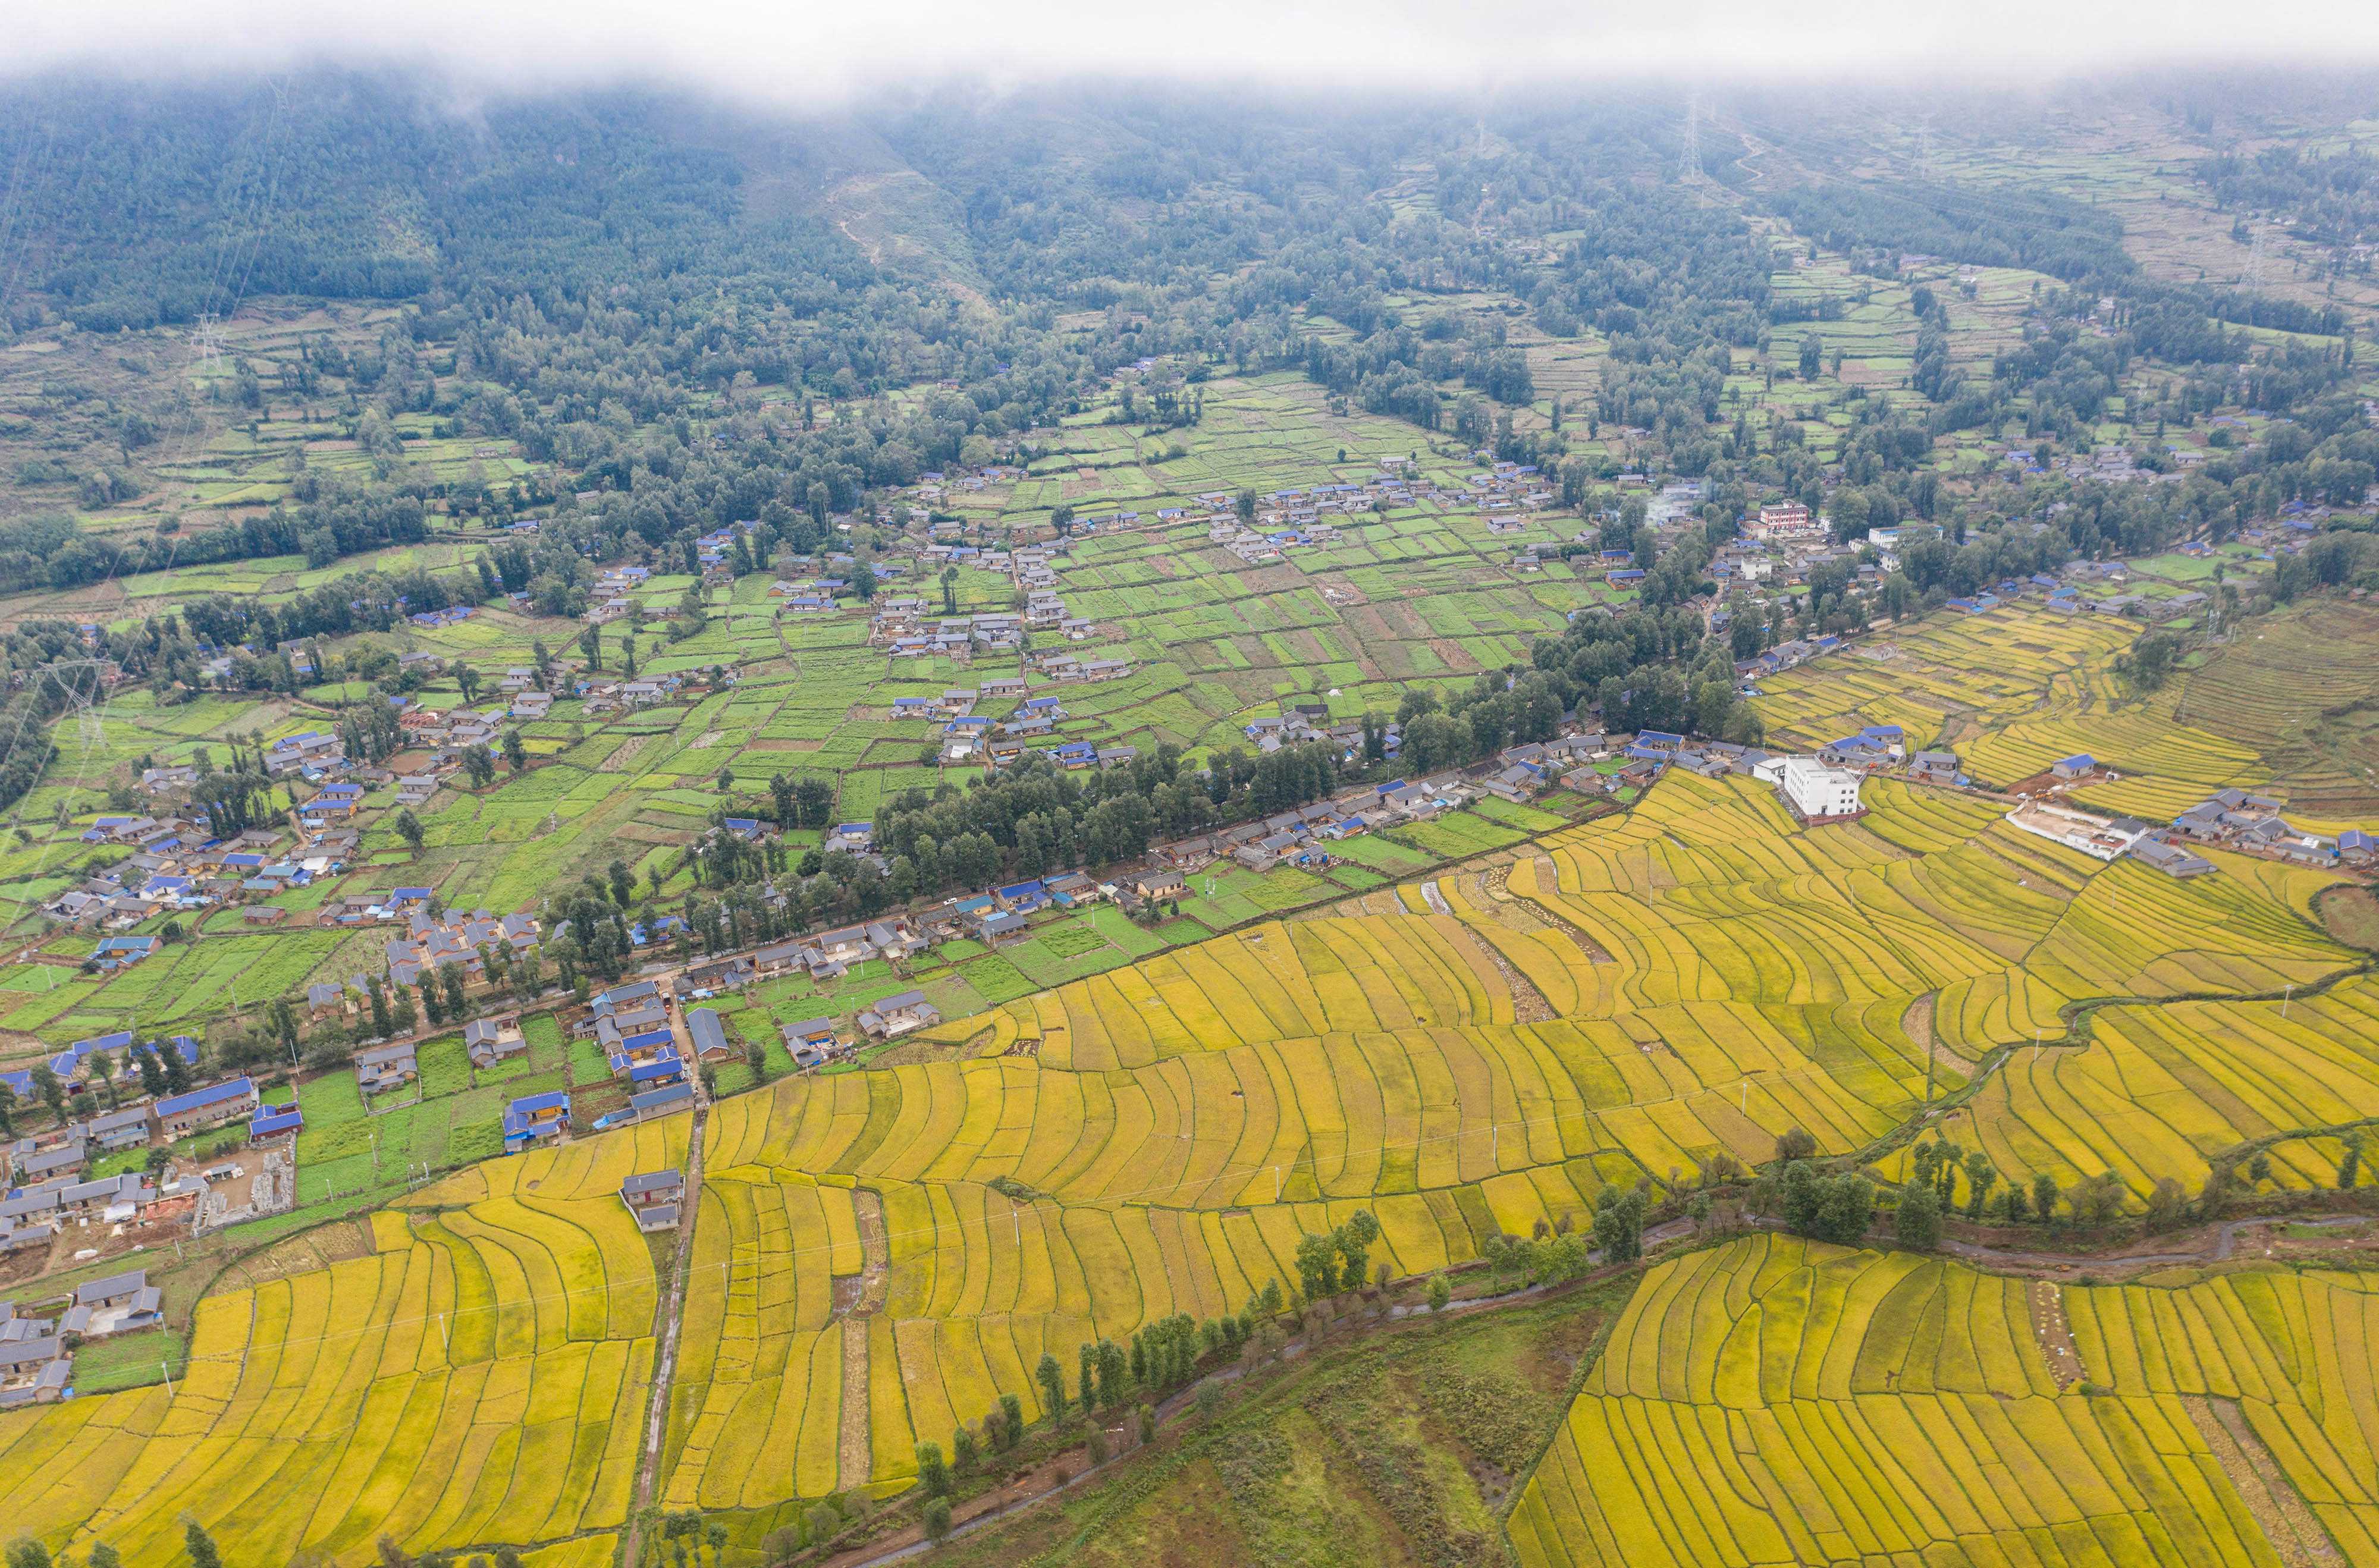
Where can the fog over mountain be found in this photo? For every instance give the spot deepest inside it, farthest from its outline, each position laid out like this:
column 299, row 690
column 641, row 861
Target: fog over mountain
column 813, row 54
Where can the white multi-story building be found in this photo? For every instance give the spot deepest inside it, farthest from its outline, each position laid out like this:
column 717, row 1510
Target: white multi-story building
column 1815, row 791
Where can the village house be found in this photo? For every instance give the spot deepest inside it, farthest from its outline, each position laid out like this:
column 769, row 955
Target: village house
column 2171, row 858
column 536, row 1119
column 491, row 1039
column 116, row 1303
column 36, row 1369
column 274, row 1119
column 127, row 1128
column 811, row 1041
column 658, row 1073
column 1815, row 792
column 898, row 1015
column 1934, row 767
column 652, row 1199
column 383, row 1068
column 708, row 1032
column 2098, row 837
column 658, row 1103
column 182, row 1114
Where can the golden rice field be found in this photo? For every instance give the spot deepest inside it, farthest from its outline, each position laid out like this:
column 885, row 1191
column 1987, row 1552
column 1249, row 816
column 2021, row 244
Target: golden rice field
column 1692, row 978
column 2155, row 1092
column 1774, row 1401
column 757, row 1398
column 2296, row 689
column 479, row 1377
column 2013, row 690
column 1184, row 1121
column 1946, row 676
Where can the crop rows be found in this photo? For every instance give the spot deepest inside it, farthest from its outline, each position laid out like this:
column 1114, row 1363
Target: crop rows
column 1774, row 1401
column 477, row 1378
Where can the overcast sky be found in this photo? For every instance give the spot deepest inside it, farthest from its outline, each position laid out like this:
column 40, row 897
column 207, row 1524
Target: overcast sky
column 800, row 52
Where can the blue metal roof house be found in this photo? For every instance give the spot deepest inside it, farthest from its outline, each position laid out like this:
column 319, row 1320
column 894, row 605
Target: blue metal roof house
column 205, row 1107
column 659, row 1073
column 534, row 1119
column 271, row 1121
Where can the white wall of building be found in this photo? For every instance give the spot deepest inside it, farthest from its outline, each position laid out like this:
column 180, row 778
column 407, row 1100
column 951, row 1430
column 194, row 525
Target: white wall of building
column 1815, row 789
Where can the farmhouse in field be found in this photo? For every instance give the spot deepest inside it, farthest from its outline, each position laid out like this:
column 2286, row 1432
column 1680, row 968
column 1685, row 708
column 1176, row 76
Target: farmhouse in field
column 536, row 1119
column 658, row 1103
column 383, row 1068
column 2100, row 838
column 653, row 1199
column 492, row 1040
column 898, row 1015
column 2171, row 858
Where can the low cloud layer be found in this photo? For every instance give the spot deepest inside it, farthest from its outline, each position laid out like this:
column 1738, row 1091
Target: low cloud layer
column 801, row 54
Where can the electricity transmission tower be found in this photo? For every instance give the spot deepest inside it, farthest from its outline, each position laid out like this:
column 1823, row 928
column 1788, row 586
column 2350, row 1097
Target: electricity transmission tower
column 206, row 344
column 2253, row 278
column 84, row 684
column 1689, row 155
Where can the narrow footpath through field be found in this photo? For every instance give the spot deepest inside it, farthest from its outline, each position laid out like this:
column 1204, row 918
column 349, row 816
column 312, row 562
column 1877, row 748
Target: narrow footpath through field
column 669, row 1319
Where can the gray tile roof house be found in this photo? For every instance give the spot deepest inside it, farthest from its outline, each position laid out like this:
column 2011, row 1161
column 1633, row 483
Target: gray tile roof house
column 126, row 1128
column 16, row 1236
column 489, row 1041
column 662, row 1101
column 113, row 1290
column 2171, row 858
column 780, row 956
column 130, row 1186
column 709, row 1033
column 48, row 1386
column 653, row 1199
column 63, row 1160
column 617, row 1027
column 898, row 1015
column 383, row 1068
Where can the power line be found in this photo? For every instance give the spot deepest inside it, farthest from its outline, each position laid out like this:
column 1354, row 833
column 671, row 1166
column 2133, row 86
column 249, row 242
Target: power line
column 2252, row 278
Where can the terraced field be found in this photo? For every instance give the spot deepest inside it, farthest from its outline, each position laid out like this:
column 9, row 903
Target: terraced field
column 1774, row 1401
column 2159, row 1090
column 2014, row 689
column 1157, row 1138
column 2292, row 694
column 479, row 1376
column 879, row 1255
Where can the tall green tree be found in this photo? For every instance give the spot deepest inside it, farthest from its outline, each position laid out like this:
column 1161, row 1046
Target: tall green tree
column 52, row 1089
column 933, row 1471
column 1052, row 1379
column 1917, row 1219
column 1619, row 1225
